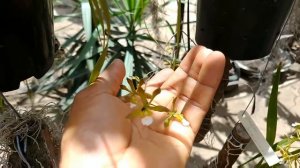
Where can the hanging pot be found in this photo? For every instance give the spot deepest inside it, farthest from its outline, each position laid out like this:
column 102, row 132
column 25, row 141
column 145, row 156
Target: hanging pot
column 26, row 40
column 241, row 29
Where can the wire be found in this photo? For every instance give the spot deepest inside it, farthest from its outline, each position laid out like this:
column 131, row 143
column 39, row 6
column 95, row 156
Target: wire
column 269, row 58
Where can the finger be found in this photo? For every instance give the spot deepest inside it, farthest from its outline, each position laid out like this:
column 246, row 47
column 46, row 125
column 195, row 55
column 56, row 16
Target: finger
column 173, row 85
column 197, row 63
column 209, row 78
column 181, row 83
column 110, row 80
column 158, row 79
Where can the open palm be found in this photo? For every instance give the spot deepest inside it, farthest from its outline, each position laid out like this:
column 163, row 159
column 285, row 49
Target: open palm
column 98, row 134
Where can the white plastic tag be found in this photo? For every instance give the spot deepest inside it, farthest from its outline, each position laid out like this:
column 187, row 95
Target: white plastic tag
column 258, row 139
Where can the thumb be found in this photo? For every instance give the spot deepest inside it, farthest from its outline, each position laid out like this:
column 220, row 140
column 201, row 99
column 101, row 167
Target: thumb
column 110, row 80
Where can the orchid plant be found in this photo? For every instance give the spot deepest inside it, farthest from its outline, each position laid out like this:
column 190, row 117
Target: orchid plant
column 145, row 106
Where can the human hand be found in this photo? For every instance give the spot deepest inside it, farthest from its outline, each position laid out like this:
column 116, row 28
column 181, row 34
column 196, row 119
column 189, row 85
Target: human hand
column 98, row 133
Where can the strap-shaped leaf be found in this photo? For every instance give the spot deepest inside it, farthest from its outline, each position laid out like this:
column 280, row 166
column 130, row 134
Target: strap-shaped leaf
column 97, row 13
column 96, row 71
column 159, row 108
column 143, row 96
column 131, row 85
column 141, row 83
column 123, row 87
column 272, row 109
column 100, row 15
column 148, row 96
column 139, row 9
column 155, row 93
column 106, row 15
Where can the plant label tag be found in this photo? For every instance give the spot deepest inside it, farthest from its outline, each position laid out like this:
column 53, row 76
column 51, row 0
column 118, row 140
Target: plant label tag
column 259, row 140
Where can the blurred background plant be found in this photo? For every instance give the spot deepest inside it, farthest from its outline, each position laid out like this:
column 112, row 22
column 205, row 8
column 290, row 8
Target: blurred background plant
column 117, row 29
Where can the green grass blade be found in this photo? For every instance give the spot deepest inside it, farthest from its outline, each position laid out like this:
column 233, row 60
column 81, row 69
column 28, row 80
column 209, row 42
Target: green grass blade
column 272, row 109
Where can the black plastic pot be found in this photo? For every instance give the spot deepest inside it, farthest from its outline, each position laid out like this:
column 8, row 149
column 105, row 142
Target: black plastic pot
column 26, row 40
column 241, row 29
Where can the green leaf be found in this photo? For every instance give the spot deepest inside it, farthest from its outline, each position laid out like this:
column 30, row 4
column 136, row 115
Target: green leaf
column 106, row 15
column 96, row 71
column 101, row 16
column 70, row 66
column 131, row 85
column 136, row 113
column 139, row 9
column 97, row 13
column 178, row 116
column 272, row 109
column 285, row 142
column 123, row 87
column 83, row 54
column 147, row 112
column 123, row 10
column 141, row 83
column 167, row 122
column 148, row 96
column 159, row 108
column 143, row 96
column 155, row 93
